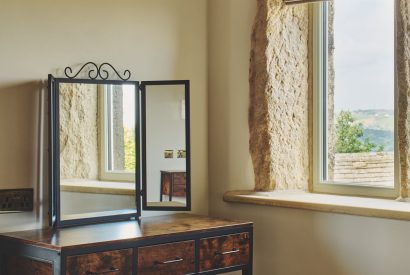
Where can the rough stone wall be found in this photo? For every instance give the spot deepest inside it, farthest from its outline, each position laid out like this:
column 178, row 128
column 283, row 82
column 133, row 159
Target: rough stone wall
column 79, row 140
column 279, row 102
column 403, row 79
column 331, row 130
column 278, row 113
column 118, row 128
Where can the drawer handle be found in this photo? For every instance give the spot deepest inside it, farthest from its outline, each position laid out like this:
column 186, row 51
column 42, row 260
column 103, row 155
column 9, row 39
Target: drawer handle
column 233, row 251
column 112, row 269
column 176, row 260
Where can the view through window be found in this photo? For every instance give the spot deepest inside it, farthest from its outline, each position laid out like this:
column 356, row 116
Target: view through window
column 358, row 103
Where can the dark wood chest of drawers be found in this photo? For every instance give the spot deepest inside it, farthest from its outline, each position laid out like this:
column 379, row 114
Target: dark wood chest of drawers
column 172, row 244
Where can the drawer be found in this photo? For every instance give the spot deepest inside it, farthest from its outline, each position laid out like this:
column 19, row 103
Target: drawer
column 117, row 262
column 224, row 251
column 172, row 259
column 22, row 265
column 179, row 178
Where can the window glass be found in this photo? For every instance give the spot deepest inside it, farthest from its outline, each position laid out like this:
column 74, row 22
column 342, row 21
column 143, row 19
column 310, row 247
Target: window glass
column 358, row 96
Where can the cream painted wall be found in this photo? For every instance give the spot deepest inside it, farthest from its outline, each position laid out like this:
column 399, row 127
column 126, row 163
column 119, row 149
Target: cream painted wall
column 287, row 241
column 165, row 131
column 155, row 39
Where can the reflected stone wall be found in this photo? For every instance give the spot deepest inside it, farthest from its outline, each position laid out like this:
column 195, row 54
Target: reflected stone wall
column 331, row 130
column 79, row 139
column 118, row 128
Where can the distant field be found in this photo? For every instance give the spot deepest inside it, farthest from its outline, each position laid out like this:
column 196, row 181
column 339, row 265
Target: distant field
column 375, row 119
column 378, row 126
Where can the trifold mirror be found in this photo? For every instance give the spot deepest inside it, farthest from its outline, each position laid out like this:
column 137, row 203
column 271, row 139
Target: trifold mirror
column 113, row 141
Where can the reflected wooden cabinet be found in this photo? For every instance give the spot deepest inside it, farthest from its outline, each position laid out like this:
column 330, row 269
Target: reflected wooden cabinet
column 173, row 184
column 173, row 244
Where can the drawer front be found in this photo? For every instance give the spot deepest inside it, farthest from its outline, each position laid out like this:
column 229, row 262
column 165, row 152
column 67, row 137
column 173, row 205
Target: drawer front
column 179, row 178
column 22, row 265
column 118, row 262
column 224, row 251
column 173, row 259
column 179, row 191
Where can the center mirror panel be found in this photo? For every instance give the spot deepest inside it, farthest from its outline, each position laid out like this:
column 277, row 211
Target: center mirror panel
column 98, row 151
column 166, row 150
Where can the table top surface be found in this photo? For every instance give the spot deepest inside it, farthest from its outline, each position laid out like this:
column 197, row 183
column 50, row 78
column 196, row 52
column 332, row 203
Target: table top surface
column 115, row 232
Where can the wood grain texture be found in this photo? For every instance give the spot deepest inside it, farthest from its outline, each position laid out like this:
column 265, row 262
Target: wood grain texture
column 178, row 180
column 173, row 258
column 224, row 251
column 118, row 261
column 16, row 265
column 120, row 232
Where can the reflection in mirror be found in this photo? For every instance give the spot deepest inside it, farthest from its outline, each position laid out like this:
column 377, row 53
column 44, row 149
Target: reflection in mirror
column 97, row 149
column 165, row 130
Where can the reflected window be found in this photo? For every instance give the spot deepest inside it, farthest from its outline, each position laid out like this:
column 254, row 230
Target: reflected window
column 118, row 138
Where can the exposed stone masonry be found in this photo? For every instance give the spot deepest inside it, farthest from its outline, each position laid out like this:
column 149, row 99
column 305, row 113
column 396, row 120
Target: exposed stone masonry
column 278, row 114
column 403, row 79
column 280, row 102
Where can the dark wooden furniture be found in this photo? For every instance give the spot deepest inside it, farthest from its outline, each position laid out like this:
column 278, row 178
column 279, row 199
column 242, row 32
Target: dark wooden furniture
column 172, row 244
column 173, row 184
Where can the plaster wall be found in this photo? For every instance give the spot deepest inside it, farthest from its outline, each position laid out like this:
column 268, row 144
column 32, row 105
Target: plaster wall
column 156, row 40
column 165, row 131
column 287, row 241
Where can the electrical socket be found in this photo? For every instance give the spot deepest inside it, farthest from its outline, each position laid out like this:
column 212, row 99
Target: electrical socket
column 16, row 199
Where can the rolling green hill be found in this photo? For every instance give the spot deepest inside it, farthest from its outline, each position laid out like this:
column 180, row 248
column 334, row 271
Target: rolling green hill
column 378, row 126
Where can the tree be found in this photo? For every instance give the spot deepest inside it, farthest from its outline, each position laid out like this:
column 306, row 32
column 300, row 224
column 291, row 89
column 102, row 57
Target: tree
column 129, row 149
column 349, row 136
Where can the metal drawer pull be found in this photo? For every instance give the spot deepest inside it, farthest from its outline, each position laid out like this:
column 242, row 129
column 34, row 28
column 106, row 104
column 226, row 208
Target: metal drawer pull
column 112, row 269
column 233, row 251
column 177, row 260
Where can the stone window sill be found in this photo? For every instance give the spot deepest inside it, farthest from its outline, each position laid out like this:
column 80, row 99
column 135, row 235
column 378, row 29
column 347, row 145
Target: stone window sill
column 370, row 207
column 98, row 187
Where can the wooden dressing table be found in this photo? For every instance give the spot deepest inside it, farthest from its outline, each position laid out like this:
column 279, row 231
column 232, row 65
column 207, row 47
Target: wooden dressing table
column 171, row 244
column 99, row 233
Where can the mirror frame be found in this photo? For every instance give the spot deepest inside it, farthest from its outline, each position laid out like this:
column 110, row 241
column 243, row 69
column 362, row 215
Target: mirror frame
column 54, row 157
column 143, row 87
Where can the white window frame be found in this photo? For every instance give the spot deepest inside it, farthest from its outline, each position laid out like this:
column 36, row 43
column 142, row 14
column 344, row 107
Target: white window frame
column 320, row 79
column 105, row 174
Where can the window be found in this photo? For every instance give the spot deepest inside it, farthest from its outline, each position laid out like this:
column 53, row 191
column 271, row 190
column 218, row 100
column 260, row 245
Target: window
column 355, row 97
column 118, row 125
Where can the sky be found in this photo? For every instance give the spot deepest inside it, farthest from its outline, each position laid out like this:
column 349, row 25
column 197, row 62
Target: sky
column 364, row 54
column 128, row 101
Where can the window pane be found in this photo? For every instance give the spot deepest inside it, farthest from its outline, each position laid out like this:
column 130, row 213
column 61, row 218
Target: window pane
column 359, row 101
column 120, row 128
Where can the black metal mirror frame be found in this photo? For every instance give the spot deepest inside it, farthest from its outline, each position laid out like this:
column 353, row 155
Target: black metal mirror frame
column 143, row 87
column 54, row 156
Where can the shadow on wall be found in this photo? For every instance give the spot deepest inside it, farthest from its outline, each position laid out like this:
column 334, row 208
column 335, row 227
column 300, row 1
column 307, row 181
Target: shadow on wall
column 289, row 241
column 22, row 134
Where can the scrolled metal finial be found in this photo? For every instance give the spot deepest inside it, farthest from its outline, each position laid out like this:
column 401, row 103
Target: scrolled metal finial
column 97, row 71
column 126, row 74
column 68, row 71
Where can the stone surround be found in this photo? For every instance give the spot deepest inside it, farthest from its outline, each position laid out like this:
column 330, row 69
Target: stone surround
column 278, row 113
column 280, row 99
